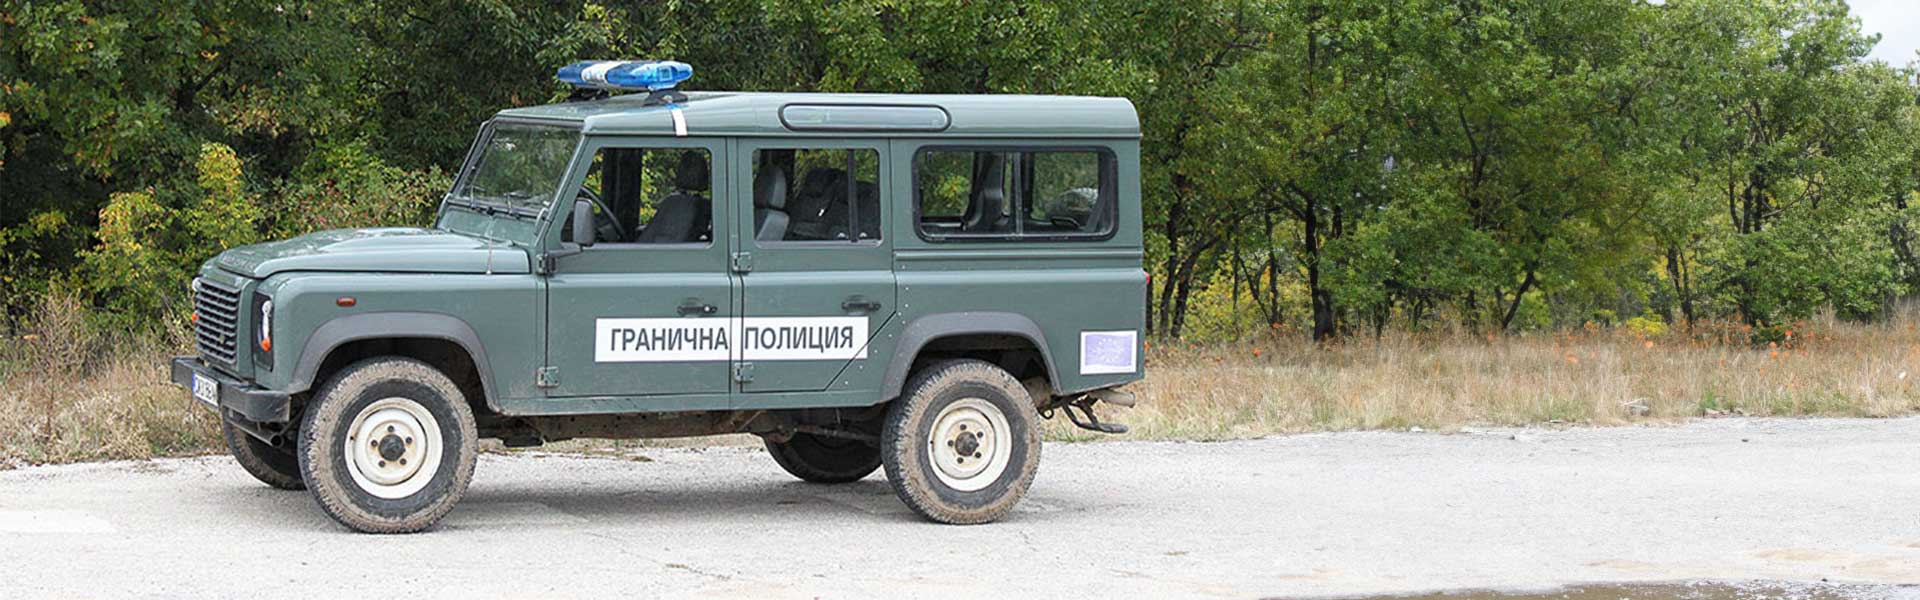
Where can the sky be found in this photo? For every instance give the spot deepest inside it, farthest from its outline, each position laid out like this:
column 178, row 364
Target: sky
column 1897, row 22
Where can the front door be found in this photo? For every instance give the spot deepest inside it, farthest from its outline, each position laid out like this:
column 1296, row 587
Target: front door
column 646, row 310
column 817, row 283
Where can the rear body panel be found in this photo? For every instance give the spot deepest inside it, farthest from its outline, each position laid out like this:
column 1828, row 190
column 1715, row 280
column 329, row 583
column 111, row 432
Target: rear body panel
column 1067, row 288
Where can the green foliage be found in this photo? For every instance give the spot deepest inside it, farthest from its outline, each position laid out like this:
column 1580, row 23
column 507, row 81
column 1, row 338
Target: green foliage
column 131, row 268
column 1768, row 335
column 346, row 186
column 1334, row 167
column 221, row 215
column 1647, row 325
column 27, row 246
column 152, row 240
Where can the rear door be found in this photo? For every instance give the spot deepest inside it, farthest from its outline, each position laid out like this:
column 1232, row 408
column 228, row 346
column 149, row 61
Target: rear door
column 816, row 273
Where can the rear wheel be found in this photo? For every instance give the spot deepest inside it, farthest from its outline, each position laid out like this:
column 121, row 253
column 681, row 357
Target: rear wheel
column 388, row 446
column 276, row 467
column 822, row 459
column 961, row 444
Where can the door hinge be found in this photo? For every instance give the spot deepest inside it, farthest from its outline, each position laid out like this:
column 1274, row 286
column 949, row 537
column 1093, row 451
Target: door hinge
column 547, row 377
column 742, row 262
column 743, row 372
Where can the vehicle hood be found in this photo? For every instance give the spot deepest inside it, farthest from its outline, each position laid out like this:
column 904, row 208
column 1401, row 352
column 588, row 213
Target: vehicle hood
column 386, row 250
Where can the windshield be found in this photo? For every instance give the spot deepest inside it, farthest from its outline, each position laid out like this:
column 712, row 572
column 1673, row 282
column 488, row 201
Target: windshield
column 520, row 167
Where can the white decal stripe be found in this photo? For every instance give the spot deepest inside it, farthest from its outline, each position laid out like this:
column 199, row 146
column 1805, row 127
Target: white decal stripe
column 697, row 339
column 679, row 121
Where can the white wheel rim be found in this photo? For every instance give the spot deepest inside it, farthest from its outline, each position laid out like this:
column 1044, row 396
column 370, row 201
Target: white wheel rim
column 976, row 425
column 393, row 448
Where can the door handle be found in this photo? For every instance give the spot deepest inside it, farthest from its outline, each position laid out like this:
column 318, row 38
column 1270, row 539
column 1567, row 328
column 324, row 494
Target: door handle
column 860, row 304
column 698, row 309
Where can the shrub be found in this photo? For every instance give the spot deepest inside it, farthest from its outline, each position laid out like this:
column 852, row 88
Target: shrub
column 1646, row 325
column 24, row 252
column 345, row 186
column 131, row 269
column 148, row 248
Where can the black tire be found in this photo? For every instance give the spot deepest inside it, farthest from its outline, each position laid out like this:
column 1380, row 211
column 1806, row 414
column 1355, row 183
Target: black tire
column 910, row 445
column 822, row 459
column 391, row 398
column 275, row 467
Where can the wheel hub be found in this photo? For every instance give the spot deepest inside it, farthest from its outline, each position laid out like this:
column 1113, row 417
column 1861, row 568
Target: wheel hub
column 969, row 444
column 393, row 448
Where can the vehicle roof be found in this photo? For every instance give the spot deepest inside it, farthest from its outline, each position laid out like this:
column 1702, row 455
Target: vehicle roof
column 758, row 114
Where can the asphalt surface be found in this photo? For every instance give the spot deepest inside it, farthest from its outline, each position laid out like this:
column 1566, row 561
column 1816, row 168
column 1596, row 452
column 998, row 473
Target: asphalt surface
column 1326, row 514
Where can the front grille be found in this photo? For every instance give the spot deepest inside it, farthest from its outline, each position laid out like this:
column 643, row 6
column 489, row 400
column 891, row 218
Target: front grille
column 216, row 310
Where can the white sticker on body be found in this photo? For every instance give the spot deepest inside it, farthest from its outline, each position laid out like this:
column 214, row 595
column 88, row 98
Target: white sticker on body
column 679, row 120
column 708, row 339
column 1107, row 352
column 662, row 340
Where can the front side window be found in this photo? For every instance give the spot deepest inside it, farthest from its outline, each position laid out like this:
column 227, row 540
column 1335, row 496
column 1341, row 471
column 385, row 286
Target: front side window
column 518, row 168
column 649, row 196
column 816, row 195
column 1014, row 193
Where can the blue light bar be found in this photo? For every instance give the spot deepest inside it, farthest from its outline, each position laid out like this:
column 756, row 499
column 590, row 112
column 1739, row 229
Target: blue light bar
column 651, row 75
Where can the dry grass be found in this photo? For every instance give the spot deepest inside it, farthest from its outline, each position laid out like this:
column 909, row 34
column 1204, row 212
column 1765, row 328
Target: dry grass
column 67, row 395
column 1598, row 377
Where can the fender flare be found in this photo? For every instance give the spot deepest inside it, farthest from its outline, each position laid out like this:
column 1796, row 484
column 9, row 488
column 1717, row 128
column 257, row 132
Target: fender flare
column 397, row 324
column 932, row 327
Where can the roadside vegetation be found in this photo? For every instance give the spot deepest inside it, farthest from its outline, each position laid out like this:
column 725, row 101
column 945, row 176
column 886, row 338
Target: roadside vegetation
column 1283, row 383
column 67, row 394
column 1359, row 214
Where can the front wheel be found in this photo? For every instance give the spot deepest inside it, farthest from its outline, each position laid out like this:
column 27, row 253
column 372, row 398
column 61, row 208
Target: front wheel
column 388, row 446
column 961, row 444
column 274, row 466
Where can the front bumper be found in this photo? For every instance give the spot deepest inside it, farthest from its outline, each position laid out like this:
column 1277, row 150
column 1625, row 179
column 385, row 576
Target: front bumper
column 244, row 399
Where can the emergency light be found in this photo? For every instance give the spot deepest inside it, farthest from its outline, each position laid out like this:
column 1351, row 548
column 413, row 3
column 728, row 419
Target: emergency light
column 650, row 75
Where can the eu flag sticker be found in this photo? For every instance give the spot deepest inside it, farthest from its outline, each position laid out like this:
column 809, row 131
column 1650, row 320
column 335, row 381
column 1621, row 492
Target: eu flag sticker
column 1106, row 352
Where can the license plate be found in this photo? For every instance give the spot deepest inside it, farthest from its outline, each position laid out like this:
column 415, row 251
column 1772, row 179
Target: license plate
column 206, row 390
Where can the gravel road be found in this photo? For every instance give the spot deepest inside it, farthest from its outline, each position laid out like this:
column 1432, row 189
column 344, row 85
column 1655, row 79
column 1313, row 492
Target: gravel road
column 1346, row 513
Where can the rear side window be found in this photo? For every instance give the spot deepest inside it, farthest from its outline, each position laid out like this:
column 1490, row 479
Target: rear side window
column 1014, row 193
column 816, row 194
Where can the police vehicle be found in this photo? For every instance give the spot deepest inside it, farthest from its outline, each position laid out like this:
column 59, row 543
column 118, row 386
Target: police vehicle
column 865, row 281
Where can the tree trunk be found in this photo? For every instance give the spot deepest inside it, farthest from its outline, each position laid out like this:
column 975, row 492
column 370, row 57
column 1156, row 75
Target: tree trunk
column 1183, row 284
column 1175, row 214
column 1506, row 322
column 1682, row 289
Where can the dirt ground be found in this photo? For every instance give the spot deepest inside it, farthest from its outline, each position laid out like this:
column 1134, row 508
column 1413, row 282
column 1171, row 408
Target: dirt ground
column 1320, row 514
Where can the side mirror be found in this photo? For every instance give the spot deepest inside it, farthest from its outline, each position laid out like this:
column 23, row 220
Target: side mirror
column 583, row 223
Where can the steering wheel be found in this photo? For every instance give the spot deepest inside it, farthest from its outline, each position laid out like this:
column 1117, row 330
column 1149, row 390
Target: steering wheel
column 605, row 227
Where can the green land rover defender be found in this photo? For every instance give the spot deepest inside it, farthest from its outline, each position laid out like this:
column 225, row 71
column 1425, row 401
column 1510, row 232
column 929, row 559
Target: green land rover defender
column 862, row 280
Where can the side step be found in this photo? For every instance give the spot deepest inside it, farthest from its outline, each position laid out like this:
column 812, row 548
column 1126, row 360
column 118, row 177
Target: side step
column 1085, row 407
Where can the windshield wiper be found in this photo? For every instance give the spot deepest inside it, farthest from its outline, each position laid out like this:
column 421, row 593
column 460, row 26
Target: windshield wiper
column 491, row 208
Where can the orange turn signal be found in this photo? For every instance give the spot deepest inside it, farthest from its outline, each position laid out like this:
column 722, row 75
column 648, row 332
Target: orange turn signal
column 345, row 301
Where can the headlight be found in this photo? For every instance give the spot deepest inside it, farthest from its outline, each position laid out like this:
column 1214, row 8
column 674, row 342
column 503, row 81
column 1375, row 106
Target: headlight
column 263, row 328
